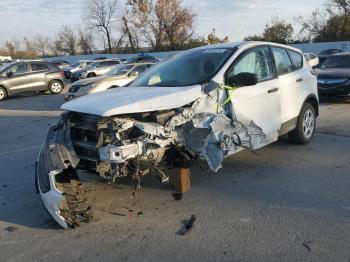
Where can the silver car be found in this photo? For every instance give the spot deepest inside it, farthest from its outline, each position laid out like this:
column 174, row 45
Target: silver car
column 99, row 68
column 120, row 75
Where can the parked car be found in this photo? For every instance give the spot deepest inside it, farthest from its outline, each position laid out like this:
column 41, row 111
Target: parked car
column 312, row 59
column 80, row 65
column 207, row 103
column 31, row 76
column 144, row 59
column 99, row 68
column 120, row 75
column 334, row 76
column 61, row 64
column 329, row 52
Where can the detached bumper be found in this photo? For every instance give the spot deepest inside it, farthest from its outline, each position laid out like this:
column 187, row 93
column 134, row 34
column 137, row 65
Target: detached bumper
column 56, row 160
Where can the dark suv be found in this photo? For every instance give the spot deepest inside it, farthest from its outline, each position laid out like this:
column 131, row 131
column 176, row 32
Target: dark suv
column 31, row 76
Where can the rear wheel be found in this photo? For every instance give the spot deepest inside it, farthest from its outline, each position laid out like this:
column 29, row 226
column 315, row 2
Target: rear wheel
column 306, row 126
column 3, row 93
column 55, row 87
column 91, row 75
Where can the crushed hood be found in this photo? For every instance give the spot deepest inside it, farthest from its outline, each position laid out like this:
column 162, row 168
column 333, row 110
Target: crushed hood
column 126, row 100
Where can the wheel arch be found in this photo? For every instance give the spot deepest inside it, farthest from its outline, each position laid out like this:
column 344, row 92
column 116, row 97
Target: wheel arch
column 312, row 99
column 5, row 88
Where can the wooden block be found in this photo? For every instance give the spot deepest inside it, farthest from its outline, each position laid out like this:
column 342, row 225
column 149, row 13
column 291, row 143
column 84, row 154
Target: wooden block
column 182, row 180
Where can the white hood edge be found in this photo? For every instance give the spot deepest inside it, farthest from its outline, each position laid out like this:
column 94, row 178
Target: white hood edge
column 127, row 100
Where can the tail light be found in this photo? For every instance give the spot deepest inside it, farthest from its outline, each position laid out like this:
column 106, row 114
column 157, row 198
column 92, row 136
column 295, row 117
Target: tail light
column 62, row 74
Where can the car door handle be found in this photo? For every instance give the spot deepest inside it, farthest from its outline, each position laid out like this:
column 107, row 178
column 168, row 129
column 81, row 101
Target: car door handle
column 273, row 90
column 299, row 80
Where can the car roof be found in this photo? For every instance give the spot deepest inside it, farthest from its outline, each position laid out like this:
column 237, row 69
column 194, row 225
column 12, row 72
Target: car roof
column 246, row 43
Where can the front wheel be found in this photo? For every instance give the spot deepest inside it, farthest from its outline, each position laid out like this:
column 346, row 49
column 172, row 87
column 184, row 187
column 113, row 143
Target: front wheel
column 3, row 93
column 55, row 87
column 306, row 126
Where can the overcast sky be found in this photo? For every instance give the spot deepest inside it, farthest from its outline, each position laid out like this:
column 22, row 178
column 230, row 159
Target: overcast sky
column 234, row 18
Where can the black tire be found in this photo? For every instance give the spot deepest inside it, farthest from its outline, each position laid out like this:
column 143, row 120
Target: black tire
column 306, row 126
column 3, row 93
column 56, row 87
column 91, row 75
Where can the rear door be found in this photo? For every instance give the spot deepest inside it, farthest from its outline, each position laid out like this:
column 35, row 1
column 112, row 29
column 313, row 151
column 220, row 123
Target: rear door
column 257, row 105
column 20, row 79
column 291, row 79
column 38, row 75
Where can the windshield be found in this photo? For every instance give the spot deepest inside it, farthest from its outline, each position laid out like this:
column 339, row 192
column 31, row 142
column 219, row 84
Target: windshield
column 120, row 70
column 186, row 69
column 336, row 62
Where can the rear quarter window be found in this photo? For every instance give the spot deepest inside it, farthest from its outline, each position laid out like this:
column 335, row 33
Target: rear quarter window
column 297, row 59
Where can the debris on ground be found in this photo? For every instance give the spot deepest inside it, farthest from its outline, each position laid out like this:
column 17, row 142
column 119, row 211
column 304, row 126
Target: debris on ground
column 307, row 245
column 188, row 225
column 74, row 206
column 11, row 229
column 117, row 214
column 139, row 213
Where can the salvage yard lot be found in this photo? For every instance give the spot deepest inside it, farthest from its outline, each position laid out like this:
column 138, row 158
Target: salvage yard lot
column 281, row 203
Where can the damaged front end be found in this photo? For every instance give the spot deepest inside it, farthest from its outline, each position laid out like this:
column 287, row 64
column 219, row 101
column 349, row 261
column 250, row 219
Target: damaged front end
column 133, row 145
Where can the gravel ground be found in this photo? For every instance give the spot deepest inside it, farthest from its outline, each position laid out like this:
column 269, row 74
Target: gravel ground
column 281, row 203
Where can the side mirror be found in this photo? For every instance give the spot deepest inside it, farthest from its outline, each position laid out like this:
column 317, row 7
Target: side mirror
column 133, row 74
column 9, row 74
column 243, row 79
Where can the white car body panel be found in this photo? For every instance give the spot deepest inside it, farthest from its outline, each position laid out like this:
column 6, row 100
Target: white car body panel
column 125, row 100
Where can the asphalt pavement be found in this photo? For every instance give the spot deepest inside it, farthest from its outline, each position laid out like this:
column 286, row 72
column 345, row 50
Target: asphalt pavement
column 281, row 203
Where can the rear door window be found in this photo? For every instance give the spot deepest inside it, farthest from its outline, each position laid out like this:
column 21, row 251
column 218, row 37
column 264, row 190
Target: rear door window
column 36, row 67
column 297, row 59
column 282, row 60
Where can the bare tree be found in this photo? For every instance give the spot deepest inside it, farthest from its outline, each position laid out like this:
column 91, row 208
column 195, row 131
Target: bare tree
column 68, row 40
column 41, row 44
column 101, row 15
column 177, row 20
column 29, row 49
column 86, row 42
column 162, row 24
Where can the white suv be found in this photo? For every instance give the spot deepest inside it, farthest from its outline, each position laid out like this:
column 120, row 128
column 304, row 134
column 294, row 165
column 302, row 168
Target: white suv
column 207, row 103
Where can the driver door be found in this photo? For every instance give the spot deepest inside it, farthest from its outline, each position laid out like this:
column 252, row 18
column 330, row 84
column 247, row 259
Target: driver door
column 260, row 104
column 19, row 79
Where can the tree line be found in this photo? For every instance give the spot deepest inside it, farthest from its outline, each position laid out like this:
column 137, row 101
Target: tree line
column 329, row 23
column 163, row 25
column 131, row 27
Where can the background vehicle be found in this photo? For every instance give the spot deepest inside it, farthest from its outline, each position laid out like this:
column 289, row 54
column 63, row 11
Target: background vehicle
column 312, row 59
column 80, row 65
column 99, row 68
column 120, row 75
column 61, row 64
column 31, row 76
column 144, row 59
column 334, row 76
column 206, row 103
column 329, row 52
